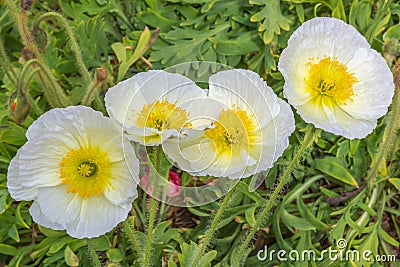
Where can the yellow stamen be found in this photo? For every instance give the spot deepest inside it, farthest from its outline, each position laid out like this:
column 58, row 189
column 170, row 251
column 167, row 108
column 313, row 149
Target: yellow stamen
column 86, row 171
column 163, row 115
column 330, row 81
column 233, row 131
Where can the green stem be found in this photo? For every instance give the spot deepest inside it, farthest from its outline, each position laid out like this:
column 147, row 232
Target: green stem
column 88, row 97
column 60, row 99
column 94, row 259
column 389, row 137
column 74, row 44
column 211, row 231
column 6, row 65
column 157, row 153
column 51, row 95
column 129, row 230
column 308, row 140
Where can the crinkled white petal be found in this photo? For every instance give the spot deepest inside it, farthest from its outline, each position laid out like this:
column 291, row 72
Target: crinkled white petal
column 40, row 218
column 328, row 37
column 97, row 216
column 126, row 100
column 34, row 173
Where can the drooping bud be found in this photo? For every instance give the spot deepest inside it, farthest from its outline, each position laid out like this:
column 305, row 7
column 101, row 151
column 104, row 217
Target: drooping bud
column 18, row 106
column 40, row 37
column 101, row 74
column 27, row 4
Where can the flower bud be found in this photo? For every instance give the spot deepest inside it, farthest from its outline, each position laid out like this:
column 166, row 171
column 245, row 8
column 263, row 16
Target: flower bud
column 18, row 106
column 101, row 74
column 27, row 4
column 26, row 55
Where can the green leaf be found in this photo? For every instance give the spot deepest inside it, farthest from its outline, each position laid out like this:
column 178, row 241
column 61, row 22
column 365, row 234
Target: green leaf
column 395, row 182
column 307, row 214
column 188, row 250
column 115, row 255
column 8, row 250
column 295, row 222
column 70, row 257
column 270, row 18
column 385, row 236
column 13, row 233
column 334, row 168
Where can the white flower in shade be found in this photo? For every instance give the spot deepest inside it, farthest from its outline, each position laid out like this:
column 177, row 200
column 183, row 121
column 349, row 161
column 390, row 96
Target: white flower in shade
column 249, row 133
column 334, row 79
column 74, row 168
column 152, row 106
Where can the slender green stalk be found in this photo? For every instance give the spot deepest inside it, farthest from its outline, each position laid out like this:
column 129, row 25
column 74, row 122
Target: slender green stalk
column 94, row 259
column 91, row 90
column 74, row 44
column 211, row 231
column 50, row 94
column 157, row 153
column 308, row 140
column 60, row 99
column 6, row 65
column 129, row 230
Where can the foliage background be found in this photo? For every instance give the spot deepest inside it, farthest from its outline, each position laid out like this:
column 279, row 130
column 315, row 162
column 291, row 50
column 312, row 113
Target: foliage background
column 319, row 206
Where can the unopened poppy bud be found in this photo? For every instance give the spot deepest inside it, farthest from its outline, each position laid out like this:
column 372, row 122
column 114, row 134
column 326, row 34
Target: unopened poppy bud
column 26, row 55
column 18, row 106
column 101, row 74
column 27, row 4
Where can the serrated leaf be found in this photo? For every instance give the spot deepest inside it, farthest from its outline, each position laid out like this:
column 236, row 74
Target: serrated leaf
column 70, row 257
column 188, row 250
column 271, row 19
column 332, row 167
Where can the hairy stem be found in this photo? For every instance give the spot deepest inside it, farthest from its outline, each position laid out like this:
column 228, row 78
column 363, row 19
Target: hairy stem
column 308, row 140
column 390, row 134
column 211, row 231
column 92, row 255
column 74, row 44
column 129, row 229
column 157, row 153
column 59, row 98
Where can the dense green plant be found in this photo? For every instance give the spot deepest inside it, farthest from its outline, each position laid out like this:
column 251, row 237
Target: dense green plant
column 60, row 53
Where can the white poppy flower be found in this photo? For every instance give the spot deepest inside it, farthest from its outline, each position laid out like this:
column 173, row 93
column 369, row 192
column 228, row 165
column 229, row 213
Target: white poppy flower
column 74, row 168
column 334, row 79
column 250, row 129
column 151, row 105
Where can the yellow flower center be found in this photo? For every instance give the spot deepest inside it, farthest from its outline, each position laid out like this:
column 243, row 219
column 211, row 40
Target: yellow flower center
column 330, row 81
column 86, row 171
column 233, row 131
column 162, row 115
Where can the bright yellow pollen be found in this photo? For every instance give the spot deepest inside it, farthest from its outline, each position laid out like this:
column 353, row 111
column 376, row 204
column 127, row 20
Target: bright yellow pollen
column 233, row 131
column 330, row 81
column 86, row 171
column 162, row 115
